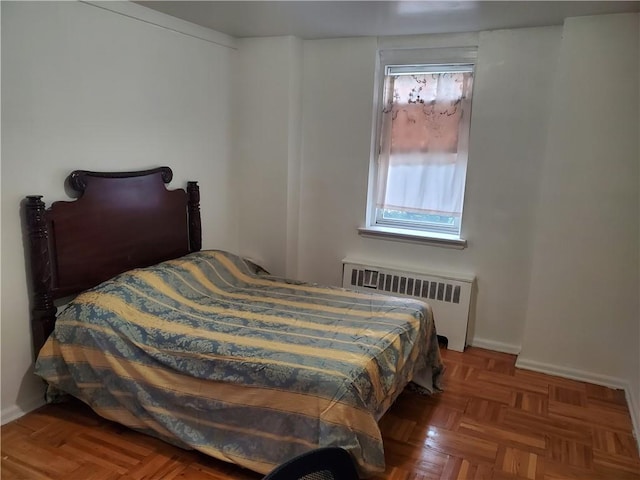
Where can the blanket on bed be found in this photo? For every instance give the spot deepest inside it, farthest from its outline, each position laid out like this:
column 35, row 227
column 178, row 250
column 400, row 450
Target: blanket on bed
column 206, row 353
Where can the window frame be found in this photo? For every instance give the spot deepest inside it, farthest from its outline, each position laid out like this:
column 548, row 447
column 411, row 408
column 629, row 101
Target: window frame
column 428, row 60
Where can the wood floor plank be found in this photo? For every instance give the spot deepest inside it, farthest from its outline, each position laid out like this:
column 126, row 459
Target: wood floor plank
column 91, row 471
column 462, row 469
column 558, row 426
column 514, row 382
column 562, row 471
column 397, row 428
column 475, row 389
column 605, row 462
column 15, row 468
column 531, row 441
column 568, row 396
column 422, row 461
column 493, row 421
column 612, row 418
column 570, row 452
column 612, row 395
column 438, row 416
column 542, row 379
column 486, row 410
column 157, row 467
column 535, row 403
column 118, row 443
column 465, row 446
column 614, row 442
column 87, row 453
column 519, row 463
column 42, row 459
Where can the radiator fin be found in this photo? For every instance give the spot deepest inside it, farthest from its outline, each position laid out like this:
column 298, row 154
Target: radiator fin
column 450, row 298
column 414, row 287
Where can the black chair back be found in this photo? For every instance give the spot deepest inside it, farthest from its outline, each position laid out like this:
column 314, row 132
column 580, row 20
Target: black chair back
column 328, row 463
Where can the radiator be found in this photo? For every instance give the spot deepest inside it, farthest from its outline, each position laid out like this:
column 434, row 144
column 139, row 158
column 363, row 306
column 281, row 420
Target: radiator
column 450, row 296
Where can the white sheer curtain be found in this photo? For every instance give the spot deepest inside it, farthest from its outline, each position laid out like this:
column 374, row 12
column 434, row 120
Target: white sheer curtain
column 423, row 145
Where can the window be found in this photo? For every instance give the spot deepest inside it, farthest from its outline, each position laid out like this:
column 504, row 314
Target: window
column 420, row 159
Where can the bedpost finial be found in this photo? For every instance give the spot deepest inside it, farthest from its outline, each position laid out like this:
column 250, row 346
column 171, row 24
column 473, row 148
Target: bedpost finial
column 195, row 223
column 78, row 180
column 35, row 213
column 167, row 174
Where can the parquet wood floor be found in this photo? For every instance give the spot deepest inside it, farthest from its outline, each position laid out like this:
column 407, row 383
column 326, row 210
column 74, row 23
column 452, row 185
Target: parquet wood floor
column 493, row 421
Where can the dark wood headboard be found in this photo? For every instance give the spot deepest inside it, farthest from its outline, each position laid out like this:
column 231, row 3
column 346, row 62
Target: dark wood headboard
column 120, row 221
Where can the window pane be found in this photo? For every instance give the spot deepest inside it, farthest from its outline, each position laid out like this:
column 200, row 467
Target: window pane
column 423, row 148
column 426, row 113
column 406, row 216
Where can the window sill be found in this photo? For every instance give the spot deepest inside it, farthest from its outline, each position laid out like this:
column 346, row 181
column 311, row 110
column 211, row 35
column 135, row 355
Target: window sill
column 413, row 236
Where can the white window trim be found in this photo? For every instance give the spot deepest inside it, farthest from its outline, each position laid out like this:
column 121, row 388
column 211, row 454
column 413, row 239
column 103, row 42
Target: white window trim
column 455, row 55
column 413, row 236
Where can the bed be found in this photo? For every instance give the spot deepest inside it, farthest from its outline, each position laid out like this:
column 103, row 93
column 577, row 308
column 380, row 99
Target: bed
column 205, row 349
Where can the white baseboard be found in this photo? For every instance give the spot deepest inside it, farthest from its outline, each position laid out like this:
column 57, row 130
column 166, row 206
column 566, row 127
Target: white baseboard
column 495, row 346
column 14, row 412
column 572, row 373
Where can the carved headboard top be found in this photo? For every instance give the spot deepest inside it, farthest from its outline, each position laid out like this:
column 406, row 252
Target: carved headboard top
column 121, row 221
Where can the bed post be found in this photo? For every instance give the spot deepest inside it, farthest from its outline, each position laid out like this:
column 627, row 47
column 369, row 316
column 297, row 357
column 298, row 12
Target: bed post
column 43, row 311
column 195, row 225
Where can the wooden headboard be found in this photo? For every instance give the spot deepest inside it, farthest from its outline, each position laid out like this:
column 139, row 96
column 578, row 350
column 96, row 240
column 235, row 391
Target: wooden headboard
column 120, row 221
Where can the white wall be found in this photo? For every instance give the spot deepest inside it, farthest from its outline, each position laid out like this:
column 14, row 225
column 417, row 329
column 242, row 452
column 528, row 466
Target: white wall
column 83, row 87
column 508, row 133
column 267, row 84
column 337, row 95
column 582, row 316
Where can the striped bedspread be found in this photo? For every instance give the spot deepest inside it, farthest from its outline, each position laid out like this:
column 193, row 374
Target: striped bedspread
column 205, row 353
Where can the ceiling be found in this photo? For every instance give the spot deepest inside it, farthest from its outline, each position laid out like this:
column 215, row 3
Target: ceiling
column 329, row 19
